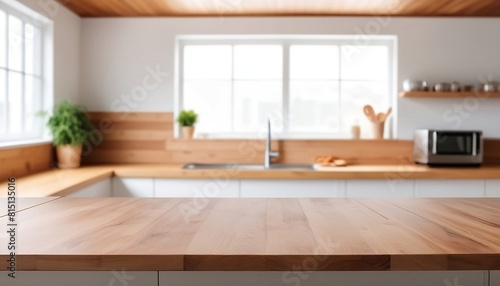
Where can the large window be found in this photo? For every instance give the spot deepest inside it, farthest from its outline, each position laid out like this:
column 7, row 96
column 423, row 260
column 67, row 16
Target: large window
column 311, row 87
column 21, row 75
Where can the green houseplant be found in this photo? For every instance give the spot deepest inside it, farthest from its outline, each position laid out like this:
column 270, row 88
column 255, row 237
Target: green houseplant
column 187, row 119
column 70, row 128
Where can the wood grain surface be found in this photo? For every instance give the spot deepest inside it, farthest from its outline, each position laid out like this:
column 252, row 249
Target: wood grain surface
column 23, row 204
column 131, row 8
column 26, row 160
column 57, row 182
column 258, row 234
column 149, row 138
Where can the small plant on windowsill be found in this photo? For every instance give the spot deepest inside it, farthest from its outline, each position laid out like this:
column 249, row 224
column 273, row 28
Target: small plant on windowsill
column 70, row 128
column 187, row 119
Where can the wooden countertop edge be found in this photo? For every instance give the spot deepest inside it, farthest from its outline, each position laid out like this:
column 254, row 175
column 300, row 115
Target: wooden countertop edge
column 94, row 262
column 57, row 182
column 379, row 262
column 79, row 178
column 356, row 172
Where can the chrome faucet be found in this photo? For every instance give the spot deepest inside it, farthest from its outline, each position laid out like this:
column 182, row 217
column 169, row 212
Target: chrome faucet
column 269, row 153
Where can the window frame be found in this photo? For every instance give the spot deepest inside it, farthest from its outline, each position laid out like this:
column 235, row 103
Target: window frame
column 44, row 50
column 286, row 41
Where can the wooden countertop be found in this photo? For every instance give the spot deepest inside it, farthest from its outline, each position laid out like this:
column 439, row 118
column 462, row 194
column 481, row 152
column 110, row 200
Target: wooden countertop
column 58, row 182
column 258, row 234
column 25, row 204
column 355, row 172
column 62, row 182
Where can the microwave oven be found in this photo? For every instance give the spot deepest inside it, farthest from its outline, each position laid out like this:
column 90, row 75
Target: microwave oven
column 443, row 147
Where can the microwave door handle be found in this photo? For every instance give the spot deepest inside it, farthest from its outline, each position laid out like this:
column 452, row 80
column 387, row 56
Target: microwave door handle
column 474, row 144
column 434, row 143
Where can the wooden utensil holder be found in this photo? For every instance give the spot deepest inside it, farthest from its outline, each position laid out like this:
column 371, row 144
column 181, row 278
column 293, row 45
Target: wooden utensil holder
column 378, row 130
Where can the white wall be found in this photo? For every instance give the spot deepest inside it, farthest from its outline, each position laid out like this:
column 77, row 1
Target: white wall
column 66, row 47
column 116, row 51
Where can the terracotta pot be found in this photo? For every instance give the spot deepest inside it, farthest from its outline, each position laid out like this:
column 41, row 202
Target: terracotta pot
column 68, row 156
column 187, row 132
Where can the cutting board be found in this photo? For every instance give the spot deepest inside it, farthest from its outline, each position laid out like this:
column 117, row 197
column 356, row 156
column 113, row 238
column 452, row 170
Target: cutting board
column 321, row 167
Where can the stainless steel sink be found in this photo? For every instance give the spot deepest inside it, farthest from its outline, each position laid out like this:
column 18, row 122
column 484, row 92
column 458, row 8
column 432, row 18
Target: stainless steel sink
column 291, row 167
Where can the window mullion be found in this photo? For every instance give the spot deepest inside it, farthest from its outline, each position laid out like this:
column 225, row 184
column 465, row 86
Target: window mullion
column 23, row 76
column 42, row 85
column 3, row 114
column 232, row 88
column 180, row 96
column 340, row 89
column 7, row 103
column 286, row 89
column 392, row 100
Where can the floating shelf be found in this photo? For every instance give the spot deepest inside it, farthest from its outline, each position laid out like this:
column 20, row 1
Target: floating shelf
column 449, row 94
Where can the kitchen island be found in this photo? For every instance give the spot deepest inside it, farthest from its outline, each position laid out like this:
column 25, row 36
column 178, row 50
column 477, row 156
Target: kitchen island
column 257, row 234
column 151, row 238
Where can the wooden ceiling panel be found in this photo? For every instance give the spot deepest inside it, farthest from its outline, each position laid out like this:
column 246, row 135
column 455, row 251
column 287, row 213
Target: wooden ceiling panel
column 186, row 8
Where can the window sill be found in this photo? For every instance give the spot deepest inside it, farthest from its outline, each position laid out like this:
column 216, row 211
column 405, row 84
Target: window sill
column 24, row 143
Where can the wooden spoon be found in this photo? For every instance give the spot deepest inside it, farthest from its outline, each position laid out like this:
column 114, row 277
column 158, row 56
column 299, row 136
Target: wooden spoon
column 388, row 113
column 370, row 113
column 381, row 117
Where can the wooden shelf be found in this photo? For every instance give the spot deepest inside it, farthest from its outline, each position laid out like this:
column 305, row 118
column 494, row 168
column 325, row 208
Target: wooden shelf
column 449, row 94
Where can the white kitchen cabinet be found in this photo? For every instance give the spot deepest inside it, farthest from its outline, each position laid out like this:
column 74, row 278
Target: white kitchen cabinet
column 492, row 188
column 449, row 188
column 495, row 278
column 380, row 188
column 292, row 188
column 133, row 187
column 196, row 188
column 322, row 278
column 81, row 278
column 96, row 190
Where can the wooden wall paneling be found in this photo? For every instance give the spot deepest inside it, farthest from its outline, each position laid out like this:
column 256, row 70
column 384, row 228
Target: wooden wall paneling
column 491, row 151
column 131, row 156
column 148, row 138
column 222, row 151
column 131, row 137
column 354, row 151
column 23, row 161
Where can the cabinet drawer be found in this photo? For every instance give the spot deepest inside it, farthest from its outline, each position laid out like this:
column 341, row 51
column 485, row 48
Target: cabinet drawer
column 292, row 188
column 449, row 188
column 81, row 278
column 492, row 188
column 495, row 278
column 380, row 188
column 322, row 278
column 182, row 188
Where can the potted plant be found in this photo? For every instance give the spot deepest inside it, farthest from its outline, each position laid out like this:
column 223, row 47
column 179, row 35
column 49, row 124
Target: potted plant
column 70, row 128
column 187, row 119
